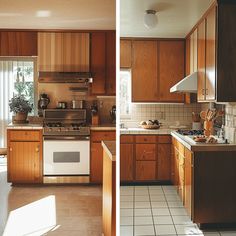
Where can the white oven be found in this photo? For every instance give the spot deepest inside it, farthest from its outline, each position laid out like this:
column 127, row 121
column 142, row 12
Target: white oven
column 66, row 155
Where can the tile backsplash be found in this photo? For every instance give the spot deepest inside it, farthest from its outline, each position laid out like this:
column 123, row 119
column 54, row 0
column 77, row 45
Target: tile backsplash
column 168, row 114
column 230, row 122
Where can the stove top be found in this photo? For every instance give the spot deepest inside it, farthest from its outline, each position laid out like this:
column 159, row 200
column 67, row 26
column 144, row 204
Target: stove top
column 190, row 132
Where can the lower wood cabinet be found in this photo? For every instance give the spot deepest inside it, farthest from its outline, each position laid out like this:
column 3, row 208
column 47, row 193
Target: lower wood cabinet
column 145, row 158
column 96, row 154
column 25, row 156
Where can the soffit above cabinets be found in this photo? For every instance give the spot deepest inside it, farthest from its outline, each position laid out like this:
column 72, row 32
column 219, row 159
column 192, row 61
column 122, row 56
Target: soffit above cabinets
column 175, row 17
column 58, row 14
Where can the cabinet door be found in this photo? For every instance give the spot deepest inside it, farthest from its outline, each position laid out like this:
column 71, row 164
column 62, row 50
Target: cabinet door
column 125, row 53
column 193, row 52
column 211, row 55
column 50, row 51
column 126, row 162
column 98, row 62
column 145, row 152
column 111, row 63
column 144, row 71
column 163, row 162
column 171, row 69
column 188, row 181
column 176, row 167
column 75, row 52
column 145, row 170
column 18, row 43
column 25, row 162
column 96, row 163
column 181, row 176
column 201, row 61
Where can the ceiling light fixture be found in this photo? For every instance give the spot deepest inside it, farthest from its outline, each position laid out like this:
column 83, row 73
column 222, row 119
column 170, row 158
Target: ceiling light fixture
column 150, row 19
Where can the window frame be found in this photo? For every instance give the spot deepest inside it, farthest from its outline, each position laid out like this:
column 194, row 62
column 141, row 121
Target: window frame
column 34, row 60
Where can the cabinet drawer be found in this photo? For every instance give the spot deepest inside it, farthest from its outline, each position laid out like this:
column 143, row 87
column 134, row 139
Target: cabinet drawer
column 145, row 139
column 146, row 152
column 24, row 135
column 103, row 136
column 145, row 170
column 164, row 139
column 126, row 138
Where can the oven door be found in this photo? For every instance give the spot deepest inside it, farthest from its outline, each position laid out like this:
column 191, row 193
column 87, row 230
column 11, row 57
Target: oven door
column 66, row 157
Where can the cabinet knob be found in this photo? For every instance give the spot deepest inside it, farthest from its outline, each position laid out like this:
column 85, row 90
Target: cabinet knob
column 206, row 91
column 10, row 149
column 203, row 91
column 37, row 149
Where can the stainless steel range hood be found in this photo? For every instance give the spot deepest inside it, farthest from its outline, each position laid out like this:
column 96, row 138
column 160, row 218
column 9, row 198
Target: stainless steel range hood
column 186, row 85
column 82, row 78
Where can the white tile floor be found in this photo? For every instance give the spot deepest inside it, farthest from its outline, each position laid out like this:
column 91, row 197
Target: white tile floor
column 157, row 210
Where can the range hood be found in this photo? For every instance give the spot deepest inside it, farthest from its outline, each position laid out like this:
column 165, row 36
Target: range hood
column 81, row 78
column 186, row 85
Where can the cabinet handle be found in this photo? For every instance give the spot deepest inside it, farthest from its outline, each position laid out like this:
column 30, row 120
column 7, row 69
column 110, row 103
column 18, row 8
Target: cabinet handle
column 203, row 91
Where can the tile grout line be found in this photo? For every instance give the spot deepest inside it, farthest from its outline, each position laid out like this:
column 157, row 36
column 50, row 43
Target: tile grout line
column 152, row 211
column 169, row 209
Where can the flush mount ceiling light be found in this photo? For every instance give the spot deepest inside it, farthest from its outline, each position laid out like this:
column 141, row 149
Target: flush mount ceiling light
column 150, row 19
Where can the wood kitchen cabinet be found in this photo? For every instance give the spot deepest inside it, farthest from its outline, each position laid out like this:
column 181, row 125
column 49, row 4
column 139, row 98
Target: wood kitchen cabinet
column 25, row 156
column 63, row 52
column 156, row 66
column 144, row 71
column 96, row 153
column 18, row 43
column 103, row 63
column 171, row 69
column 125, row 53
column 145, row 158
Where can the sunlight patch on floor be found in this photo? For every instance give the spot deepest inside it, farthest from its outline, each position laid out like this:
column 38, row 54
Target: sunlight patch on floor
column 35, row 218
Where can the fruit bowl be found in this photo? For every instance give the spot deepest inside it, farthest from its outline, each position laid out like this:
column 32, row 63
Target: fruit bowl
column 150, row 126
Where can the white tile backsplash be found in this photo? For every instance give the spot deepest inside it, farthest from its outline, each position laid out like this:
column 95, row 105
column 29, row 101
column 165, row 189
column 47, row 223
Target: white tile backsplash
column 168, row 114
column 230, row 122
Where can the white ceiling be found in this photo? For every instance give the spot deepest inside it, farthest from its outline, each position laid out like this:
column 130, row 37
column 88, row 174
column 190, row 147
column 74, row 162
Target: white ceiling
column 59, row 14
column 175, row 17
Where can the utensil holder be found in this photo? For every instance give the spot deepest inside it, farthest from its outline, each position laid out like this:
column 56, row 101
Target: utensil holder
column 208, row 128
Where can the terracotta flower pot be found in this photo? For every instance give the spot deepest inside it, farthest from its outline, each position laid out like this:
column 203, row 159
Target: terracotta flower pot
column 20, row 118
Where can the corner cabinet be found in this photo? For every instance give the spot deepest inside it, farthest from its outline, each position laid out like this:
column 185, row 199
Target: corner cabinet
column 103, row 62
column 156, row 66
column 24, row 156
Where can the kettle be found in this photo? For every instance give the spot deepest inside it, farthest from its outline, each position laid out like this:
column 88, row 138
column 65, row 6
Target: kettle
column 43, row 101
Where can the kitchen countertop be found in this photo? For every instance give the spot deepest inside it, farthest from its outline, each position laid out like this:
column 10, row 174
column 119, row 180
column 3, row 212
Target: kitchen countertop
column 203, row 147
column 145, row 131
column 110, row 148
column 102, row 127
column 25, row 126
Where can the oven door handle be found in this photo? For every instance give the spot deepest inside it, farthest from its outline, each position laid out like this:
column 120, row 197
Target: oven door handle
column 58, row 137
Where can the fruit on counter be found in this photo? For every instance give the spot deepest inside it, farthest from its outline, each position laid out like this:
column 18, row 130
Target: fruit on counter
column 143, row 123
column 150, row 122
column 211, row 139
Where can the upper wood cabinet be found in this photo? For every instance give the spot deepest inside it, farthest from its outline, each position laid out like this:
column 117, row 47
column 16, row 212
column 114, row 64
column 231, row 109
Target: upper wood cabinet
column 63, row 52
column 103, row 62
column 156, row 66
column 193, row 52
column 18, row 43
column 144, row 71
column 201, row 60
column 171, row 69
column 125, row 53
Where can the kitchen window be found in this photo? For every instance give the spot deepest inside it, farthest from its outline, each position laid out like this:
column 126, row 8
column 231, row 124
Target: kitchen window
column 125, row 94
column 17, row 76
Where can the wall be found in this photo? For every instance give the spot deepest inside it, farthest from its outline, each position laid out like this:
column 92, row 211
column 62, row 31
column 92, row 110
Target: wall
column 168, row 114
column 61, row 92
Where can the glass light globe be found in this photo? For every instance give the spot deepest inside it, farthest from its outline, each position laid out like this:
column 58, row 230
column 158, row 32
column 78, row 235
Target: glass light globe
column 150, row 19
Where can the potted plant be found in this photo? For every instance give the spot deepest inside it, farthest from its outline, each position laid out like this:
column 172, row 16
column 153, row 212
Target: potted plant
column 20, row 106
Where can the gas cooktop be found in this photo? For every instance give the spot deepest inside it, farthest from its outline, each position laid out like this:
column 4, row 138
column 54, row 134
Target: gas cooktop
column 190, row 132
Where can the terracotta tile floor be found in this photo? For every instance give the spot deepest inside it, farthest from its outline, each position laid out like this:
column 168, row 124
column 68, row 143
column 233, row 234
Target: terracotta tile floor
column 50, row 210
